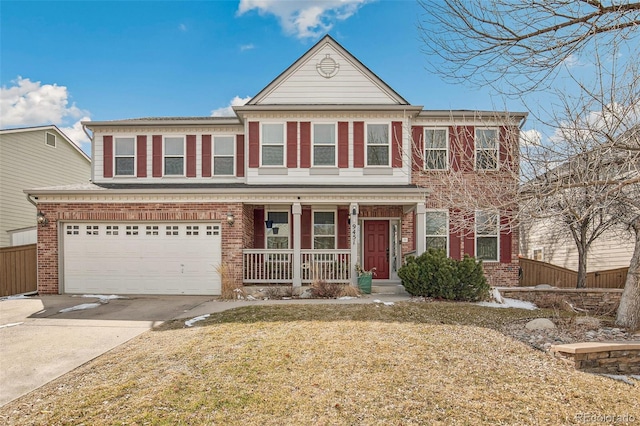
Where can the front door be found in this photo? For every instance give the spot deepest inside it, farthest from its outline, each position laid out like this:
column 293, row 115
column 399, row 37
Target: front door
column 376, row 247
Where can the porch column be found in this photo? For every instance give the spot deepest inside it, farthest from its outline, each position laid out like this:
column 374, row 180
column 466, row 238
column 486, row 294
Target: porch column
column 353, row 214
column 420, row 229
column 296, row 210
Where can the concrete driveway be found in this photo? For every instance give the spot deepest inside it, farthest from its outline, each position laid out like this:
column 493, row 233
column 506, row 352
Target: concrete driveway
column 39, row 343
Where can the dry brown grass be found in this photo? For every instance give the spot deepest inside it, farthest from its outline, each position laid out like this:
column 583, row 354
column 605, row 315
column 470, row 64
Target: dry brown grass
column 231, row 288
column 408, row 364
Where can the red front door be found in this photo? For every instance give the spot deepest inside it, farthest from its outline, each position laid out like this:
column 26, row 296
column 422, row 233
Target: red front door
column 376, row 247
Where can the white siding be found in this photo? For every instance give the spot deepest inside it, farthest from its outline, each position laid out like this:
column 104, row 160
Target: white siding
column 612, row 250
column 305, row 85
column 27, row 162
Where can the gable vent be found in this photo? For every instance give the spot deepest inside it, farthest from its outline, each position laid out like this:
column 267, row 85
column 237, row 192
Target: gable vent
column 328, row 67
column 50, row 139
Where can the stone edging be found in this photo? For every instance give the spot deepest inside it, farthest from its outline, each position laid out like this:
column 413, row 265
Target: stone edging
column 601, row 357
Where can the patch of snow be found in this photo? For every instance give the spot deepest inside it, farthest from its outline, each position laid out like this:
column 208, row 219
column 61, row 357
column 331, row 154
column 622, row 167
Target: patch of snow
column 103, row 297
column 82, row 307
column 495, row 294
column 250, row 297
column 384, row 303
column 13, row 324
column 346, row 298
column 189, row 323
column 17, row 296
column 509, row 303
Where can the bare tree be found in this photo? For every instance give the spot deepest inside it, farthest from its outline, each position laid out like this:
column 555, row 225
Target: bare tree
column 519, row 48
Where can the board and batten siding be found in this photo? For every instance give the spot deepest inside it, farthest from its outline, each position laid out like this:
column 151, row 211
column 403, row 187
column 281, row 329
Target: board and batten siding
column 306, row 86
column 27, row 162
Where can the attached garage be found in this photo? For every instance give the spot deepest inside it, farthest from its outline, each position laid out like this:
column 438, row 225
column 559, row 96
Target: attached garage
column 141, row 258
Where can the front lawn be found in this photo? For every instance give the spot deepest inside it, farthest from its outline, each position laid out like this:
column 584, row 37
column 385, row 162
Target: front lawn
column 411, row 363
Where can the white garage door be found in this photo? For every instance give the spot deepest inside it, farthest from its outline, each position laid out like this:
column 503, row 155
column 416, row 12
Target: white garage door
column 141, row 258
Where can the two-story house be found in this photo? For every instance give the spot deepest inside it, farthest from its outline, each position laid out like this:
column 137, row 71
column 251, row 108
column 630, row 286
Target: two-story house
column 324, row 169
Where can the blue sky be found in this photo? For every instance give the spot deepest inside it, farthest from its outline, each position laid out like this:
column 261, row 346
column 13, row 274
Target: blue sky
column 62, row 62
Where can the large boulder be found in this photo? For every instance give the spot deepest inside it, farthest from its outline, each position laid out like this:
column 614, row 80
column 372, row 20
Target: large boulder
column 540, row 324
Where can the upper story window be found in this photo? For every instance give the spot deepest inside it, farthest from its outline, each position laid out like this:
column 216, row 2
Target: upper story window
column 124, row 157
column 50, row 139
column 324, row 144
column 487, row 149
column 174, row 156
column 273, row 144
column 377, row 144
column 223, row 155
column 487, row 230
column 278, row 234
column 437, row 229
column 436, row 152
column 324, row 230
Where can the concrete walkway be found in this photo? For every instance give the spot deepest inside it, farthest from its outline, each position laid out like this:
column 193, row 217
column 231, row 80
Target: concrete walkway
column 38, row 343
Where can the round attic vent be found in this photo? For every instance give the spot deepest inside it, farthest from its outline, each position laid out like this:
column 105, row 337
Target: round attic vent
column 328, row 67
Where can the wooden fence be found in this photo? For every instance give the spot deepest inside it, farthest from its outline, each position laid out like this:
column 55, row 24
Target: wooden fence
column 534, row 273
column 18, row 270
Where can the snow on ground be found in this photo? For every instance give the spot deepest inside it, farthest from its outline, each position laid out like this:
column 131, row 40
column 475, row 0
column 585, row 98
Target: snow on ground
column 82, row 307
column 103, row 297
column 509, row 303
column 189, row 323
column 13, row 324
column 384, row 303
column 17, row 296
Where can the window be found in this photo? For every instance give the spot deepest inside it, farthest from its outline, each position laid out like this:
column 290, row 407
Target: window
column 324, row 230
column 437, row 230
column 324, row 144
column 486, row 149
column 174, row 156
column 273, row 144
column 278, row 234
column 377, row 145
column 223, row 151
column 50, row 139
column 538, row 254
column 487, row 235
column 125, row 157
column 435, row 149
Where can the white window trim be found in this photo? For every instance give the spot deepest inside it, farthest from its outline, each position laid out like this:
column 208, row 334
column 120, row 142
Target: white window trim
column 430, row 235
column 284, row 143
column 135, row 156
column 497, row 236
column 213, row 155
column 335, row 227
column 475, row 147
column 335, row 145
column 288, row 236
column 184, row 155
column 446, row 149
column 533, row 253
column 55, row 140
column 366, row 144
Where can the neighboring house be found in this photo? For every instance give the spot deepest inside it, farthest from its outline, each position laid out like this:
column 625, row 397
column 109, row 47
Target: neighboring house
column 33, row 157
column 317, row 173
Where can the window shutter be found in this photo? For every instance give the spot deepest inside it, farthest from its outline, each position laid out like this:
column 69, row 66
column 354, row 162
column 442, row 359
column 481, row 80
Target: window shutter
column 258, row 228
column 141, row 155
column 468, row 160
column 107, row 156
column 358, row 144
column 508, row 145
column 157, row 155
column 469, row 236
column 292, row 144
column 305, row 229
column 455, row 236
column 461, row 147
column 343, row 144
column 396, row 144
column 505, row 240
column 254, row 144
column 343, row 228
column 415, row 231
column 191, row 155
column 417, row 147
column 240, row 155
column 206, row 155
column 305, row 144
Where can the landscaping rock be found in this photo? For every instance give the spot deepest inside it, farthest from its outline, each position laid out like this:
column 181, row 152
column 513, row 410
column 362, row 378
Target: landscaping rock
column 588, row 322
column 306, row 294
column 540, row 324
column 544, row 286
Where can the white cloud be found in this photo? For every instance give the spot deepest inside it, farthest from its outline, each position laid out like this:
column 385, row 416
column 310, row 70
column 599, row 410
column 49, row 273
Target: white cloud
column 249, row 46
column 306, row 19
column 29, row 103
column 182, row 27
column 530, row 137
column 228, row 110
column 77, row 135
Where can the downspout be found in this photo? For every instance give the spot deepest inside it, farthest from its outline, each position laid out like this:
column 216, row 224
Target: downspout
column 31, row 201
column 84, row 129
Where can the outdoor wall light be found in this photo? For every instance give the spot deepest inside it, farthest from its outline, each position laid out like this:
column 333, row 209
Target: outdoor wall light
column 230, row 219
column 42, row 220
column 354, row 212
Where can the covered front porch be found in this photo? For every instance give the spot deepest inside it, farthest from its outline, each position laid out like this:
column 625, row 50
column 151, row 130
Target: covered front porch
column 324, row 238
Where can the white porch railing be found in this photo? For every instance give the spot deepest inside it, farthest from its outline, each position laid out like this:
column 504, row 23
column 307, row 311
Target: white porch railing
column 266, row 266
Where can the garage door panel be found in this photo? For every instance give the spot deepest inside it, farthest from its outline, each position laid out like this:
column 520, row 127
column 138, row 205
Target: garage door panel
column 142, row 258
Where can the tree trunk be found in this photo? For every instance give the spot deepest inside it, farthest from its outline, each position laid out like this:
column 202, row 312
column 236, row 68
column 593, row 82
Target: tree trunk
column 582, row 266
column 629, row 309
